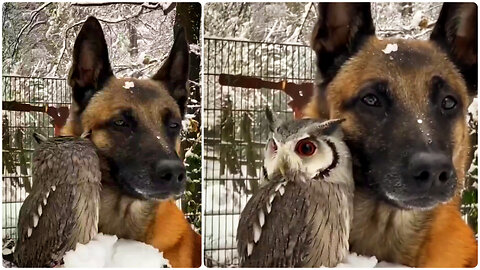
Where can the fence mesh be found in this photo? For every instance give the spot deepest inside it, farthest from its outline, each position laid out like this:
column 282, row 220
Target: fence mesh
column 25, row 101
column 240, row 79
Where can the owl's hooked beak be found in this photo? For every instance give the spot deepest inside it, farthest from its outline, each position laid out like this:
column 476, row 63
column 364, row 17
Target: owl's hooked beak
column 283, row 166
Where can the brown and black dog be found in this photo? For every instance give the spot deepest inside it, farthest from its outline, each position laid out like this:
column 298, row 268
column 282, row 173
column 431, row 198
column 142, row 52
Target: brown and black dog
column 405, row 112
column 135, row 125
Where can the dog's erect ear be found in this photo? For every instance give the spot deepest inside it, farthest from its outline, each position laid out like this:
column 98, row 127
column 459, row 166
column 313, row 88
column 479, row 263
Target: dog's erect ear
column 339, row 32
column 456, row 32
column 91, row 67
column 174, row 72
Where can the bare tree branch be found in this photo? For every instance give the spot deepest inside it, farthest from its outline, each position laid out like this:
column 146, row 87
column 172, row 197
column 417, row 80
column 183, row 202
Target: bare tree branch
column 65, row 36
column 35, row 25
column 126, row 18
column 147, row 5
column 97, row 4
column 234, row 31
column 169, row 8
column 62, row 51
column 33, row 16
column 305, row 16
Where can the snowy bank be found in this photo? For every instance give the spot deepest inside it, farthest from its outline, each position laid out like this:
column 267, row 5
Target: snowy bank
column 357, row 261
column 109, row 251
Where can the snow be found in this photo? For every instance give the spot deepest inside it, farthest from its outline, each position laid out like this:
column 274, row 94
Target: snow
column 358, row 261
column 128, row 85
column 416, row 19
column 195, row 48
column 419, row 121
column 222, row 213
column 354, row 260
column 189, row 116
column 390, row 48
column 109, row 251
column 473, row 109
column 189, row 153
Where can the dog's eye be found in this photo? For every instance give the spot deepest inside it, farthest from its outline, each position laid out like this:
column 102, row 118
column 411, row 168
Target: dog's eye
column 174, row 125
column 120, row 123
column 449, row 103
column 371, row 100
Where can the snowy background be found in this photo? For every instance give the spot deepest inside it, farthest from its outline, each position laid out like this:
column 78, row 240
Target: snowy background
column 270, row 41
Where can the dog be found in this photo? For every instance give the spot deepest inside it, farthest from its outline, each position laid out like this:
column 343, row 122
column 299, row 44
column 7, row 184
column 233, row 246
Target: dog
column 135, row 125
column 404, row 103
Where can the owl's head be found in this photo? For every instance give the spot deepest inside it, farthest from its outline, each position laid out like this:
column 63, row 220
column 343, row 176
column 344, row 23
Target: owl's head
column 308, row 147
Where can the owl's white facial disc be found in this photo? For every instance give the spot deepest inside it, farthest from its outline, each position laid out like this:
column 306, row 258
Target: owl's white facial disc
column 305, row 154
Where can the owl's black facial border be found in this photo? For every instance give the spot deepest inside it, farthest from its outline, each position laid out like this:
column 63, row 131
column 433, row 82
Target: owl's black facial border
column 326, row 172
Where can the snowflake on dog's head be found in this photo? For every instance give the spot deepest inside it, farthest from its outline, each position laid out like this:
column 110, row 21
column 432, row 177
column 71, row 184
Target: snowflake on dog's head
column 128, row 85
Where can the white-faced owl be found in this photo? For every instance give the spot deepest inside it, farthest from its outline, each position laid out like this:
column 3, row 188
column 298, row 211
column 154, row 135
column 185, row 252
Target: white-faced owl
column 301, row 216
column 62, row 209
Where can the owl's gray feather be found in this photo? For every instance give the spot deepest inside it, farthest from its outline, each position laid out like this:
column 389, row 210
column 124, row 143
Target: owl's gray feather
column 276, row 229
column 62, row 209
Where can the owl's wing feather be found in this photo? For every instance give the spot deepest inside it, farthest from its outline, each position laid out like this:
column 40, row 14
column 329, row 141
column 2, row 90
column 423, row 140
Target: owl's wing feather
column 63, row 206
column 42, row 237
column 86, row 202
column 85, row 212
column 284, row 237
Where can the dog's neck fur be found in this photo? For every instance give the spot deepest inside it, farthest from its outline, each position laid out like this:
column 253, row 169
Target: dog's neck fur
column 122, row 215
column 387, row 232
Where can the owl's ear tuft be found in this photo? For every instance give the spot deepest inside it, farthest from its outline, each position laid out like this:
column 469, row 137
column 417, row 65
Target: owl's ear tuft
column 272, row 120
column 39, row 138
column 329, row 128
column 333, row 127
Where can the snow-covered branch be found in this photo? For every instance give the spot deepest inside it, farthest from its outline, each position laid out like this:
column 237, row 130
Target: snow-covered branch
column 33, row 16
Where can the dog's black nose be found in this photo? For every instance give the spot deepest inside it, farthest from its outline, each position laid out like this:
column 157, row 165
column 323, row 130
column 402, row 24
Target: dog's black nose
column 171, row 171
column 431, row 169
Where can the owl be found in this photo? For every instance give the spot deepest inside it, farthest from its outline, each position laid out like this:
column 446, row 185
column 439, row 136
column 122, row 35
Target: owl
column 301, row 216
column 62, row 208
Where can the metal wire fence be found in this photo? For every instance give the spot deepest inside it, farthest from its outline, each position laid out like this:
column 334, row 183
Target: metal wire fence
column 25, row 102
column 240, row 79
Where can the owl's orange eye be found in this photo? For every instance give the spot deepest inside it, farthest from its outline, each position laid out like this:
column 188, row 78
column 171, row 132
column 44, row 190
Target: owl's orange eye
column 273, row 145
column 305, row 147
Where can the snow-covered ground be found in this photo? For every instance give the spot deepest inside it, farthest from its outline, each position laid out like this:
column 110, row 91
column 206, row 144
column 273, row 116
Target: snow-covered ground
column 222, row 212
column 356, row 261
column 109, row 251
